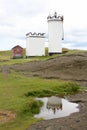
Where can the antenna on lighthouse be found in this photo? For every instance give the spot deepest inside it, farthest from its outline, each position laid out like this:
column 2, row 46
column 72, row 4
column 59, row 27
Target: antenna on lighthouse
column 55, row 14
column 62, row 28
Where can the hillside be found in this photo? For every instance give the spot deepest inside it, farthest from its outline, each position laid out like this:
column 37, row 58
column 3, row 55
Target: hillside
column 15, row 87
column 67, row 67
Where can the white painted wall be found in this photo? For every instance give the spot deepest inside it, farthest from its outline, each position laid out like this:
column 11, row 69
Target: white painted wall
column 35, row 46
column 55, row 34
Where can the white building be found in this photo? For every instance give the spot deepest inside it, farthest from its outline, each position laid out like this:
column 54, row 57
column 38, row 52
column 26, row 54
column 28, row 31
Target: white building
column 55, row 33
column 35, row 44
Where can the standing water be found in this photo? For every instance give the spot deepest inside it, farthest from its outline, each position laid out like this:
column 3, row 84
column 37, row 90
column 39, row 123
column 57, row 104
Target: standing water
column 55, row 107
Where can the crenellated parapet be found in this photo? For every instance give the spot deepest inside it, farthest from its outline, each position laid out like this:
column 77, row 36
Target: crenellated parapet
column 55, row 17
column 30, row 34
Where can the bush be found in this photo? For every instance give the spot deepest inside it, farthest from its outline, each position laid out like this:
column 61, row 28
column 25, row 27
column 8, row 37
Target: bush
column 35, row 107
column 41, row 93
column 32, row 108
column 63, row 89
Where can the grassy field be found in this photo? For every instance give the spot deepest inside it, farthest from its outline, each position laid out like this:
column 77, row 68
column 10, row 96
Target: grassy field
column 5, row 56
column 17, row 92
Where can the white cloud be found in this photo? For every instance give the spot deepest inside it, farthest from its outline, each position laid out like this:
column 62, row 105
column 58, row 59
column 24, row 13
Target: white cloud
column 18, row 17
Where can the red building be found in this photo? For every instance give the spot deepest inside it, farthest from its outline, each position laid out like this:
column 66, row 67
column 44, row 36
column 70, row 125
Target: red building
column 17, row 52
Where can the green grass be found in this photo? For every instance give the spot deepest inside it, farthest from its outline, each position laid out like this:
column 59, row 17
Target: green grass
column 75, row 51
column 5, row 57
column 59, row 88
column 17, row 94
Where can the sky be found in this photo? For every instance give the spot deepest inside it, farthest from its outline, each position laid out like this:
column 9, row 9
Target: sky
column 18, row 17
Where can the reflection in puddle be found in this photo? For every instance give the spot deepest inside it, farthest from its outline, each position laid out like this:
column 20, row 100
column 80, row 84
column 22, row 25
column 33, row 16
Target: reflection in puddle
column 54, row 103
column 55, row 107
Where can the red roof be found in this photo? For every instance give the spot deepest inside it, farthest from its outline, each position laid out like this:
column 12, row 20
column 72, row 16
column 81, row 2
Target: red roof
column 17, row 47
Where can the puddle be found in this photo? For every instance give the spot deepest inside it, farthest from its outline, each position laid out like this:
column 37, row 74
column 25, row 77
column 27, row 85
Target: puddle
column 55, row 107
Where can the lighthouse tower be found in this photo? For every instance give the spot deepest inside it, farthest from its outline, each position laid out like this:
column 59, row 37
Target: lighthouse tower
column 55, row 34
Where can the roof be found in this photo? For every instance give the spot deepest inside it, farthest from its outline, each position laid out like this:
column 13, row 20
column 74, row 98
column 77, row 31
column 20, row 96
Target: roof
column 55, row 17
column 17, row 46
column 39, row 35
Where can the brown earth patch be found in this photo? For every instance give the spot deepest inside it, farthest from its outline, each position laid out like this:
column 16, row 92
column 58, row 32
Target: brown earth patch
column 6, row 116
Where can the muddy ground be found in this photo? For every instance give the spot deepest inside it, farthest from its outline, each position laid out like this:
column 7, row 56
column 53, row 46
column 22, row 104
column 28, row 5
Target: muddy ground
column 70, row 68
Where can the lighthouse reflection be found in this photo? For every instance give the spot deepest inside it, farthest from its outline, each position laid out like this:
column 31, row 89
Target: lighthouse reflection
column 54, row 103
column 56, row 107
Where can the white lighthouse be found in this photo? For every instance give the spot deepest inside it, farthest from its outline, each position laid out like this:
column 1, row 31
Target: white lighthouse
column 35, row 44
column 55, row 33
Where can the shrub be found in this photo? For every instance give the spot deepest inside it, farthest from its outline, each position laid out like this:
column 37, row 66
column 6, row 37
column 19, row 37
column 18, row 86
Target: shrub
column 32, row 108
column 35, row 107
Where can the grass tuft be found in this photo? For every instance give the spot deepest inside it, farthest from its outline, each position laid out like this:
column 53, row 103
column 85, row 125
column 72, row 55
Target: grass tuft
column 63, row 89
column 32, row 108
